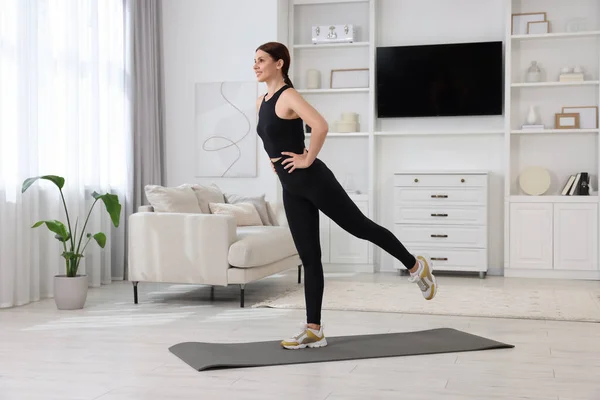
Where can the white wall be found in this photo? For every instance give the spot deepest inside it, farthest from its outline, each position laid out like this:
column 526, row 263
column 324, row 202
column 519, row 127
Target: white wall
column 409, row 22
column 204, row 42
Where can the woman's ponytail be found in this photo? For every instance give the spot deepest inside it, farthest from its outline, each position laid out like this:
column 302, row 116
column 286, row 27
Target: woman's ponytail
column 287, row 80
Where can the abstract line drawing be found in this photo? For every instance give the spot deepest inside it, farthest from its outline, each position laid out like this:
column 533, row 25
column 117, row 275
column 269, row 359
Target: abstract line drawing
column 225, row 129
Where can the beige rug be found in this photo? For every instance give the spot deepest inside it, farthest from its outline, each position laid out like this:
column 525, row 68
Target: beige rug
column 569, row 304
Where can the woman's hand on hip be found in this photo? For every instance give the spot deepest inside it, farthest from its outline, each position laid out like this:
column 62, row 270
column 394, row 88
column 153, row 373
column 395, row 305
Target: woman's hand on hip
column 296, row 161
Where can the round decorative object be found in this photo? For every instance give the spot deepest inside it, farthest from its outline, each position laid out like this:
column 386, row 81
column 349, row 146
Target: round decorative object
column 534, row 180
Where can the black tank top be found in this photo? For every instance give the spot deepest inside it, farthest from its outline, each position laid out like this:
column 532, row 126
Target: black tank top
column 279, row 134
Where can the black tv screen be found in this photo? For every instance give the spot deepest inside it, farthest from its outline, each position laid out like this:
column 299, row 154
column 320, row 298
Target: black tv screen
column 462, row 79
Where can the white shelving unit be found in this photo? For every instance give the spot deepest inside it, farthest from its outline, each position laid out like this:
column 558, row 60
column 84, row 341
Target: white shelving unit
column 551, row 131
column 548, row 84
column 540, row 232
column 441, row 132
column 338, row 247
column 551, row 236
column 557, row 35
column 330, row 45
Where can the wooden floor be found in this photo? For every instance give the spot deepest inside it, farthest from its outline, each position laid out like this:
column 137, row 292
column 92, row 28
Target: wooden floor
column 115, row 350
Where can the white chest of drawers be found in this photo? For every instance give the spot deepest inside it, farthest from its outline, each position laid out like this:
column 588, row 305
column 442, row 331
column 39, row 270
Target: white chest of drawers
column 443, row 215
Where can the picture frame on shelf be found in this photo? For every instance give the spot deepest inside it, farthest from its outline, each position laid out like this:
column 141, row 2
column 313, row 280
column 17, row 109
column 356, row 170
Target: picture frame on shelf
column 538, row 27
column 519, row 23
column 566, row 121
column 349, row 78
column 588, row 115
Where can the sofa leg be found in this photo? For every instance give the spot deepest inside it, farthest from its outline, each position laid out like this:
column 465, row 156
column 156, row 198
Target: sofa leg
column 212, row 293
column 300, row 273
column 135, row 292
column 242, row 287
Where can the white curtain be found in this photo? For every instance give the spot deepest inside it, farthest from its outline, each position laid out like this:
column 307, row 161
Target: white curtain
column 64, row 110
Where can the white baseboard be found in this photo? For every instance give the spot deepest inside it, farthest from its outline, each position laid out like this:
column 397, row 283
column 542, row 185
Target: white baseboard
column 551, row 274
column 362, row 268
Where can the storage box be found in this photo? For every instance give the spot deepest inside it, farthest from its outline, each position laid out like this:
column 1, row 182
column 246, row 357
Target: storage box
column 332, row 34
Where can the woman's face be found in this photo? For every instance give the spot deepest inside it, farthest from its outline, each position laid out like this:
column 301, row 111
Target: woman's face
column 265, row 67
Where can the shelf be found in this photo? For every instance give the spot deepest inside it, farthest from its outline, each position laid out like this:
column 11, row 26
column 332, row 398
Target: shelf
column 332, row 91
column 551, row 84
column 316, row 2
column 542, row 131
column 419, row 133
column 557, row 35
column 330, row 45
column 343, row 134
column 553, row 199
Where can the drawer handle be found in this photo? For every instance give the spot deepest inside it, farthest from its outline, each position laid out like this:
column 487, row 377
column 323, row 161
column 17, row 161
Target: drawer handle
column 439, row 215
column 439, row 258
column 463, row 180
column 439, row 196
column 440, row 236
column 416, row 180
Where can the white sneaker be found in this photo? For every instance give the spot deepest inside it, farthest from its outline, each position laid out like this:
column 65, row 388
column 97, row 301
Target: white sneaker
column 424, row 278
column 307, row 337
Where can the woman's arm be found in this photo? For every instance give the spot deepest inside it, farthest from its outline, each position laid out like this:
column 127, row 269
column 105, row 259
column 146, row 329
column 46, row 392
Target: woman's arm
column 319, row 127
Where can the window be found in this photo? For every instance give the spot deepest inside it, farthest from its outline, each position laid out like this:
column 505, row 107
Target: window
column 63, row 102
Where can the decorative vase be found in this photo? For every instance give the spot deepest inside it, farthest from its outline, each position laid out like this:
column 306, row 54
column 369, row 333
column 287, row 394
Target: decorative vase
column 70, row 293
column 313, row 79
column 531, row 116
column 534, row 73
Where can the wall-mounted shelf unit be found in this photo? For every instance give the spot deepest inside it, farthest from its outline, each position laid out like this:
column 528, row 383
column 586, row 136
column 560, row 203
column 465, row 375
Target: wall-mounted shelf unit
column 355, row 172
column 552, row 235
column 546, row 223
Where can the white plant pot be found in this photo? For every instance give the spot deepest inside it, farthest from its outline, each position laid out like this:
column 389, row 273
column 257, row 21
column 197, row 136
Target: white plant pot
column 70, row 293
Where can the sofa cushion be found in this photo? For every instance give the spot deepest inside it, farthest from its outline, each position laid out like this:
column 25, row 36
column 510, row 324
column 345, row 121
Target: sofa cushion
column 179, row 199
column 258, row 201
column 245, row 213
column 206, row 195
column 261, row 245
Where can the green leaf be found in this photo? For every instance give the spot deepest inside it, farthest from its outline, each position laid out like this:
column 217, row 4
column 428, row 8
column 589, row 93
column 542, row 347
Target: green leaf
column 61, row 239
column 57, row 227
column 71, row 255
column 111, row 201
column 100, row 238
column 57, row 180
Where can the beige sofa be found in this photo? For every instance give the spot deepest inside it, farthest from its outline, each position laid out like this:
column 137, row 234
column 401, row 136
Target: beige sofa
column 173, row 244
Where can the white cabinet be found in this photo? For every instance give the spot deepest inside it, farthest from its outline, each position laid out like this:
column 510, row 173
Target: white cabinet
column 443, row 215
column 553, row 237
column 339, row 246
column 576, row 236
column 531, row 235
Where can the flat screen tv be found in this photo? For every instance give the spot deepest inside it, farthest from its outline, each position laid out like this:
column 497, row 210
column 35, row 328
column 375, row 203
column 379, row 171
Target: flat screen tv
column 461, row 79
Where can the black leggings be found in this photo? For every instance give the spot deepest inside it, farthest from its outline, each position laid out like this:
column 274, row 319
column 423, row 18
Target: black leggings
column 305, row 192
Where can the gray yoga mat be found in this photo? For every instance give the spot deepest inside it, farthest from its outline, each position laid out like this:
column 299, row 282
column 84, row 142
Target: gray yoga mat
column 205, row 356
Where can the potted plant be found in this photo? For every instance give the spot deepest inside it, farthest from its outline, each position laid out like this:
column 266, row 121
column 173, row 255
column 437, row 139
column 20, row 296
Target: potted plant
column 70, row 290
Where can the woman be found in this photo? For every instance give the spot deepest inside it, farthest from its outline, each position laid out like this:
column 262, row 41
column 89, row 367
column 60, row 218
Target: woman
column 309, row 186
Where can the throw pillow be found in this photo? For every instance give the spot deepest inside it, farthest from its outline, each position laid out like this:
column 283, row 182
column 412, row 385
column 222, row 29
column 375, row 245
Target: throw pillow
column 245, row 213
column 206, row 195
column 258, row 201
column 179, row 199
column 274, row 214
